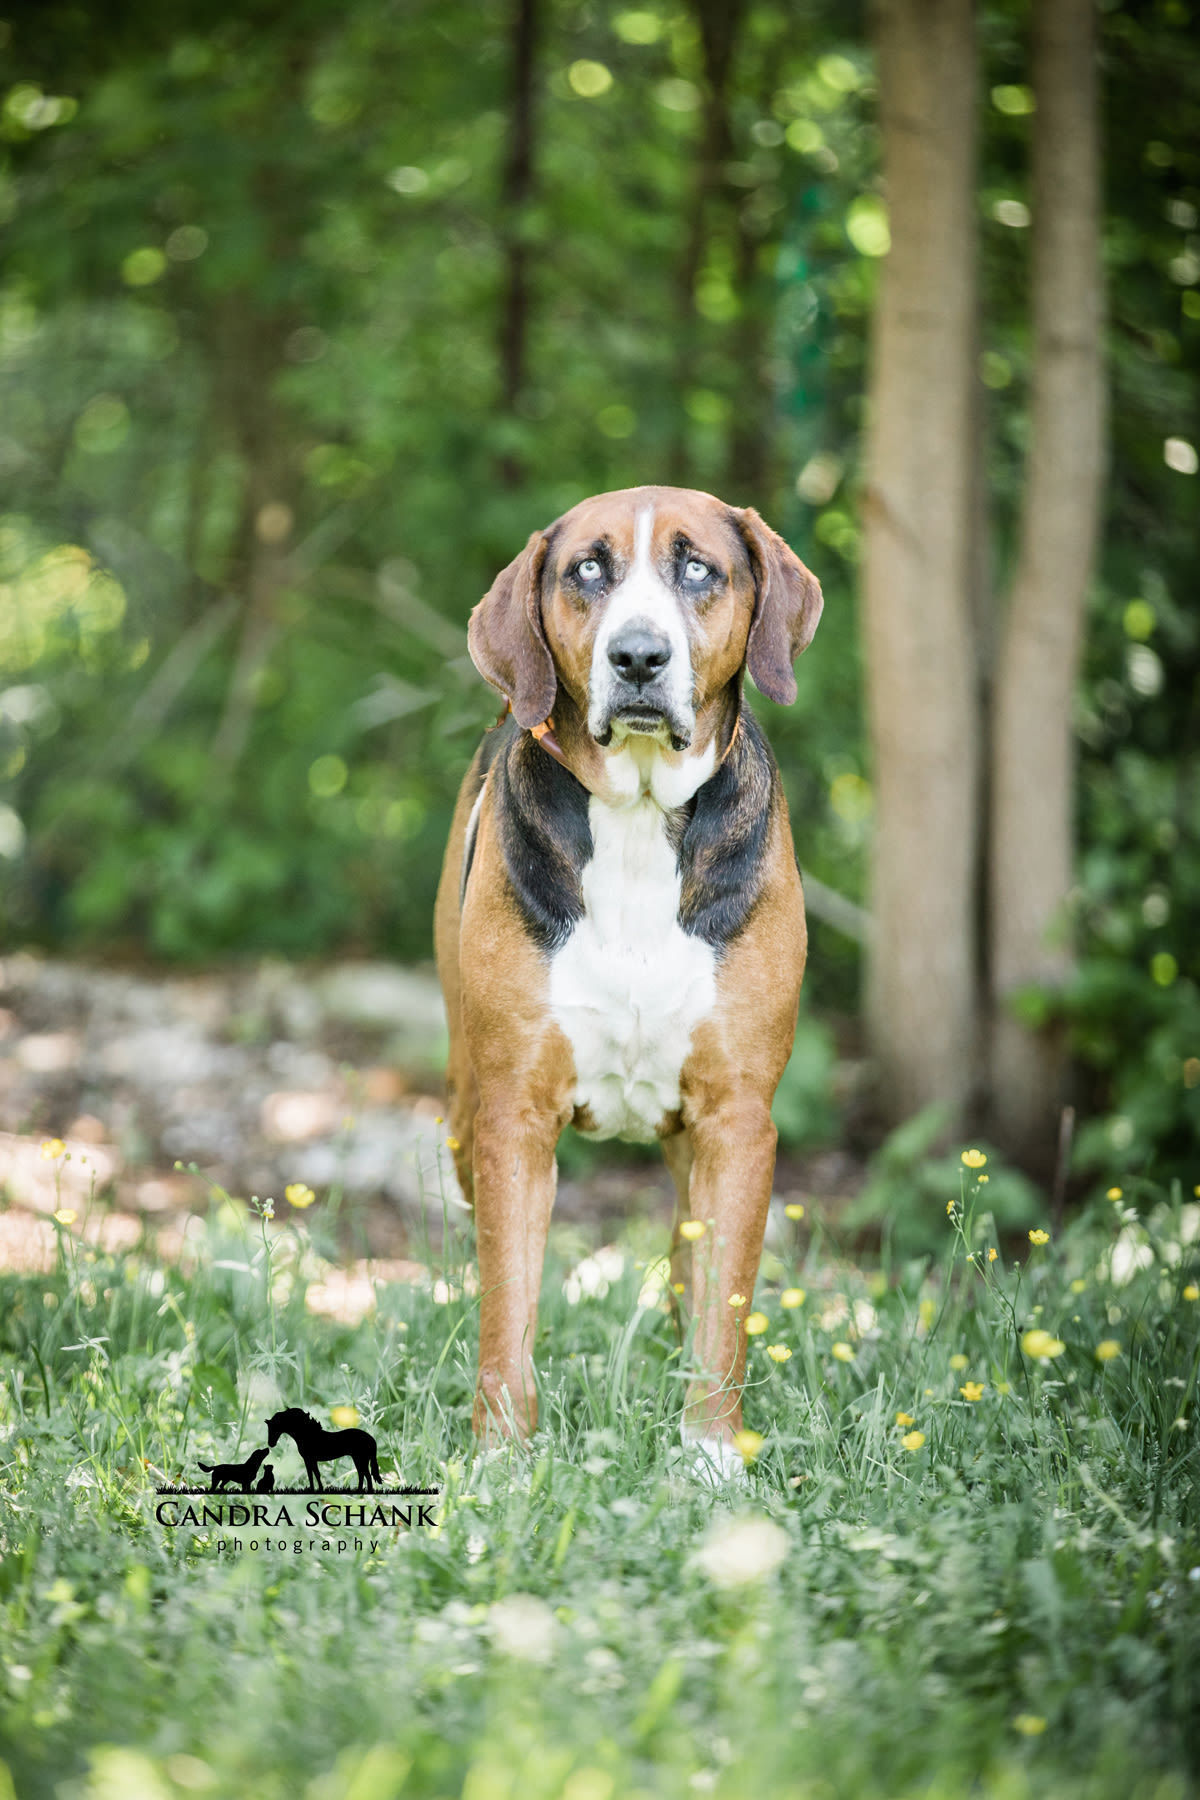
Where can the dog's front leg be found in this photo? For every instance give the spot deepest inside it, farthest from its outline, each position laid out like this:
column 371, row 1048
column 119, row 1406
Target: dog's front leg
column 515, row 1178
column 677, row 1154
column 733, row 1165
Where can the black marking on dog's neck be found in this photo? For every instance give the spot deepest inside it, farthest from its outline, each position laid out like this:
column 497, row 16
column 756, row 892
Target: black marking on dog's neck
column 545, row 838
column 722, row 839
column 719, row 836
column 494, row 743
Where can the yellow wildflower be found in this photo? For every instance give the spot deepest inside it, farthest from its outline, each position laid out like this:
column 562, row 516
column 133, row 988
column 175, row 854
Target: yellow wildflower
column 756, row 1324
column 903, row 1418
column 1191, row 1291
column 1029, row 1724
column 972, row 1391
column 778, row 1352
column 913, row 1440
column 950, row 1205
column 958, row 1360
column 793, row 1210
column 344, row 1417
column 1041, row 1345
column 748, row 1443
column 1107, row 1349
column 1078, row 1285
column 296, row 1193
column 691, row 1229
column 926, row 1311
column 52, row 1149
column 974, row 1159
column 66, row 1215
column 452, row 1143
column 983, row 1178
column 843, row 1352
column 792, row 1297
column 1115, row 1193
column 737, row 1299
column 678, row 1287
column 1039, row 1237
column 993, row 1253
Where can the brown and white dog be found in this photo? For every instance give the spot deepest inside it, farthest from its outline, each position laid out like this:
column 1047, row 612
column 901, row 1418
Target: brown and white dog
column 620, row 923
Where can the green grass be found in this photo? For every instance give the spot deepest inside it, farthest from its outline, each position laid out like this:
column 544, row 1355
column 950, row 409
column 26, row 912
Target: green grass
column 1010, row 1609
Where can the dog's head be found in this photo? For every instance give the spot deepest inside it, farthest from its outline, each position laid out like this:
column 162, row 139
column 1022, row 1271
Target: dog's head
column 644, row 604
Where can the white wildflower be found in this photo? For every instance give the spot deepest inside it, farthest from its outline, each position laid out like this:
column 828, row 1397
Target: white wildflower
column 738, row 1551
column 523, row 1626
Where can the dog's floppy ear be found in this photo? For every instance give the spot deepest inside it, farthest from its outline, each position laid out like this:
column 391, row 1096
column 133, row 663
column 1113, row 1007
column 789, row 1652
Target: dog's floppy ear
column 787, row 606
column 506, row 639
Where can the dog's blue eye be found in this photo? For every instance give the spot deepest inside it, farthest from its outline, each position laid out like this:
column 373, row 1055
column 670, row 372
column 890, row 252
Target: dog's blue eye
column 589, row 570
column 695, row 570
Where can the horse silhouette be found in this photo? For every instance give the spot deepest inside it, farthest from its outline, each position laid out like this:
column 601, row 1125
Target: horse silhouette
column 316, row 1445
column 240, row 1474
column 267, row 1484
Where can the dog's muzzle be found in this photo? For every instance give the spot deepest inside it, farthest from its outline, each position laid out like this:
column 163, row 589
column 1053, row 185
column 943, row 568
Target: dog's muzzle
column 638, row 696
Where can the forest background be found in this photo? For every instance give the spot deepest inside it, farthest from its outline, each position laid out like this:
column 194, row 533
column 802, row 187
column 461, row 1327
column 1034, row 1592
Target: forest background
column 308, row 316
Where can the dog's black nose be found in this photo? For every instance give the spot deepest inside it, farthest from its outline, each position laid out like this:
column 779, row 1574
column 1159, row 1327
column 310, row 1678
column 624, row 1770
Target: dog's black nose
column 638, row 654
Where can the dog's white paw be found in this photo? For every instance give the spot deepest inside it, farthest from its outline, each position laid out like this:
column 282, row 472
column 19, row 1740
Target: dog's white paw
column 714, row 1461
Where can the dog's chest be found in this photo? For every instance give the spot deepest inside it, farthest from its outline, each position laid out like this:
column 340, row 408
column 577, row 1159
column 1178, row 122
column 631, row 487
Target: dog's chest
column 629, row 986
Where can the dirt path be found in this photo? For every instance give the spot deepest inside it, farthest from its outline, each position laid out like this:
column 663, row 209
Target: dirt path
column 261, row 1075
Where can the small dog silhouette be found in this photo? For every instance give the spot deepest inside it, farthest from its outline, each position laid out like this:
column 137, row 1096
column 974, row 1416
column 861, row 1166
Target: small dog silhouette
column 267, row 1484
column 240, row 1475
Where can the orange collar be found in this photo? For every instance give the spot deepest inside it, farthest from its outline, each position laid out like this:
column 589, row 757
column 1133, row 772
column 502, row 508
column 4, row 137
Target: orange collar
column 544, row 733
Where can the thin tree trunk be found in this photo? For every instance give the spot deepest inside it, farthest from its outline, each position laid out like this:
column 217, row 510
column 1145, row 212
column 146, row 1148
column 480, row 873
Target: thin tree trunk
column 1033, row 773
column 751, row 459
column 984, row 633
column 719, row 23
column 515, row 197
column 250, row 337
column 920, row 659
column 250, row 360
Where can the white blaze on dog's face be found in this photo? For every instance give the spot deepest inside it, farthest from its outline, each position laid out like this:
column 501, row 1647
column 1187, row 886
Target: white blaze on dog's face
column 648, row 600
column 641, row 677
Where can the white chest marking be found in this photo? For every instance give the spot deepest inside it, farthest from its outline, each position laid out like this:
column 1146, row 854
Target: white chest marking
column 629, row 986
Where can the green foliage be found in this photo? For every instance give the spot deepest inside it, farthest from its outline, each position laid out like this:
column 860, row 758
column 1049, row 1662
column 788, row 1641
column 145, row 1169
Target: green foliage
column 281, row 288
column 974, row 1557
column 912, row 1186
column 1153, row 1116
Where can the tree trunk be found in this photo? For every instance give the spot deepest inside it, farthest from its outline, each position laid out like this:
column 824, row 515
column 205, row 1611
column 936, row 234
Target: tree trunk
column 749, row 456
column 515, row 197
column 249, row 362
column 920, row 663
column 1033, row 765
column 751, row 461
column 719, row 23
